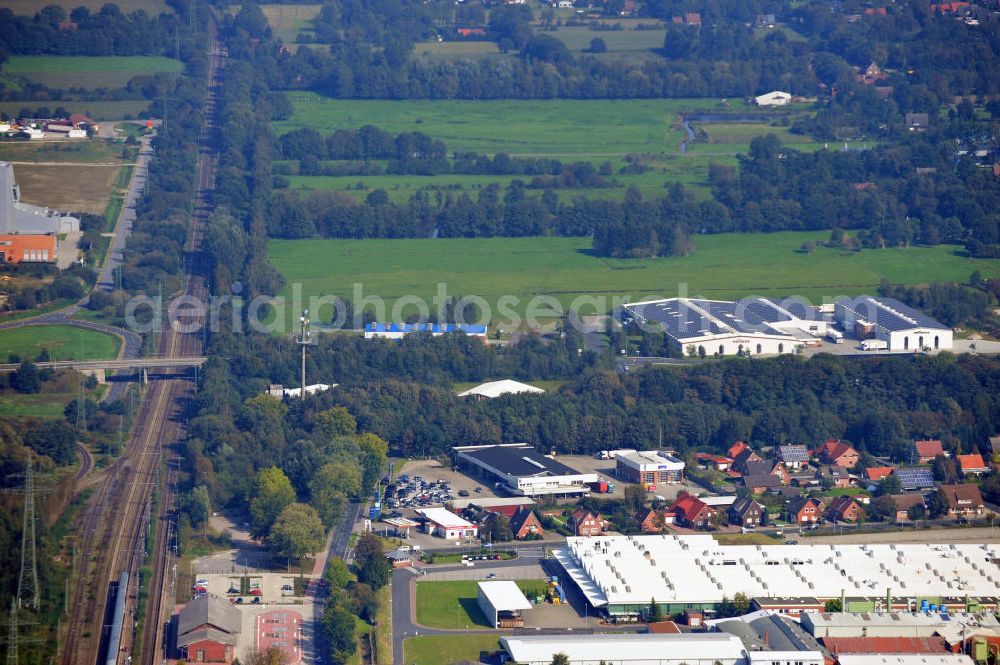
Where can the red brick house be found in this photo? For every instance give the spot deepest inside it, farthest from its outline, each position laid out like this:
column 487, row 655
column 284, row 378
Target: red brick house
column 963, row 500
column 928, row 449
column 745, row 512
column 736, row 449
column 972, row 464
column 207, row 628
column 585, row 523
column 833, row 476
column 839, row 454
column 805, row 510
column 844, row 509
column 746, row 457
column 525, row 523
column 718, row 462
column 650, row 521
column 690, row 511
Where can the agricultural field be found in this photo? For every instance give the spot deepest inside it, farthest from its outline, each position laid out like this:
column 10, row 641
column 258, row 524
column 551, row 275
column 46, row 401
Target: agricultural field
column 68, row 187
column 77, row 151
column 444, row 649
column 55, row 71
column 31, row 7
column 287, row 21
column 721, row 266
column 451, row 50
column 560, row 129
column 62, row 343
column 619, row 42
column 49, row 404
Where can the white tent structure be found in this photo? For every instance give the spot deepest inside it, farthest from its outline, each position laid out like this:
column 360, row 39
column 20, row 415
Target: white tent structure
column 497, row 388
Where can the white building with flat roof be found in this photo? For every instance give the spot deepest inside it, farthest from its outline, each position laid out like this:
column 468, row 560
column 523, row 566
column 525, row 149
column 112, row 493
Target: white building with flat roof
column 619, row 574
column 901, row 326
column 904, row 659
column 446, row 524
column 649, row 467
column 523, row 471
column 642, row 649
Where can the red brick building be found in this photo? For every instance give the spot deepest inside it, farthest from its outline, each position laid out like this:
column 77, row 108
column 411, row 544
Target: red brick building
column 844, row 509
column 839, row 454
column 650, row 521
column 690, row 511
column 524, row 523
column 805, row 510
column 928, row 449
column 586, row 523
column 206, row 630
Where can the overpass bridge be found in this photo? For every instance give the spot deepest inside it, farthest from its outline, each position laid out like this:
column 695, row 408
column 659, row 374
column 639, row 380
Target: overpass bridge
column 149, row 362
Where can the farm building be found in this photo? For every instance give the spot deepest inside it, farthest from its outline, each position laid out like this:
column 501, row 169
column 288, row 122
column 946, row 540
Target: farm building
column 522, row 471
column 714, row 327
column 446, row 524
column 494, row 389
column 775, row 98
column 401, row 330
column 502, row 603
column 649, row 467
column 887, row 319
column 619, row 574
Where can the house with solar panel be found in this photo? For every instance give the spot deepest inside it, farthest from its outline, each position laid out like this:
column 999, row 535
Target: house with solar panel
column 888, row 320
column 751, row 326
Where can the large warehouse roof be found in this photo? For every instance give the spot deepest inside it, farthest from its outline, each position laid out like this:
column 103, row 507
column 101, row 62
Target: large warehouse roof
column 519, row 460
column 505, row 596
column 629, row 570
column 648, row 647
column 691, row 318
column 888, row 313
column 904, row 659
column 496, row 388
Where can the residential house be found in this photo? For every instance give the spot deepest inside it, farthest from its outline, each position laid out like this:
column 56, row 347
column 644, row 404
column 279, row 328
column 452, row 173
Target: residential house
column 804, row 510
column 761, row 482
column 904, row 502
column 525, row 523
column 995, row 445
column 917, row 122
column 745, row 512
column 764, row 21
column 745, row 457
column 833, row 476
column 793, row 457
column 972, row 464
column 844, row 509
column 915, row 478
column 690, row 511
column 964, row 500
column 839, row 454
column 649, row 521
column 207, row 628
column 736, row 449
column 872, row 74
column 400, row 558
column 585, row 523
column 927, row 450
column 877, row 473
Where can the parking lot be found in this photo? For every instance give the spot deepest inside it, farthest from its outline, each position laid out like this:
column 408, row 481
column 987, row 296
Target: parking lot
column 606, row 470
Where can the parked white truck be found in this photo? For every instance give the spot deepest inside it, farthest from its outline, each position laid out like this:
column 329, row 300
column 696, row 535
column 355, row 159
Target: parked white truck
column 874, row 345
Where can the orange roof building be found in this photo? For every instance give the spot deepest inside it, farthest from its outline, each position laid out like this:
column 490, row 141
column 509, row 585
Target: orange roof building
column 27, row 248
column 877, row 473
column 972, row 463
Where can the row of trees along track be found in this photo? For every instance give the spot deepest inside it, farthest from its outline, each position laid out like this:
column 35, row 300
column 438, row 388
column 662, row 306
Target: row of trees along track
column 115, row 526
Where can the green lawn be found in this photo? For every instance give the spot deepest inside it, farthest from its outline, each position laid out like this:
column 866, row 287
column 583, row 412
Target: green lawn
column 63, row 343
column 721, row 266
column 287, row 21
column 76, row 151
column 452, row 604
column 97, row 110
column 444, row 649
column 578, row 38
column 29, row 7
column 56, row 71
column 41, row 405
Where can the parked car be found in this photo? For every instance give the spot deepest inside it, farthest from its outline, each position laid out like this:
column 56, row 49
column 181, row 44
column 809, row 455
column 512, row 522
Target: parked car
column 463, row 492
column 239, row 601
column 233, row 589
column 255, row 601
column 286, row 587
column 256, row 592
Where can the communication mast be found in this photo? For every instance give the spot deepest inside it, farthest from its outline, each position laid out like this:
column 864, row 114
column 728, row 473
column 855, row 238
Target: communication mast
column 303, row 342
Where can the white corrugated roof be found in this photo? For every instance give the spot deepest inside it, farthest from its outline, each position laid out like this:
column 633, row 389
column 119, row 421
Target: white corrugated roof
column 701, row 647
column 505, row 596
column 696, row 568
column 496, row 388
column 445, row 518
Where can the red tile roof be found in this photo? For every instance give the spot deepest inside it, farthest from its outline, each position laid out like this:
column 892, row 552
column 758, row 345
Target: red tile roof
column 736, row 449
column 689, row 506
column 885, row 644
column 877, row 473
column 929, row 448
column 972, row 462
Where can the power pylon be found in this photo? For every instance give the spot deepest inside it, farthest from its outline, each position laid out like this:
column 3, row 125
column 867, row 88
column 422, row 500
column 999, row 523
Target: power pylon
column 12, row 634
column 27, row 583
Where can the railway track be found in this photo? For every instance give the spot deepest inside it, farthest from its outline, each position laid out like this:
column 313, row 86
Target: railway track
column 115, row 525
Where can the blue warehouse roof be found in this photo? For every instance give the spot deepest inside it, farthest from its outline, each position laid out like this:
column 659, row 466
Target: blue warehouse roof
column 433, row 328
column 888, row 313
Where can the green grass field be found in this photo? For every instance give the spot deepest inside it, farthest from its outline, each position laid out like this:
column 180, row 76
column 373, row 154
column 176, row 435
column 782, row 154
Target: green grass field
column 721, row 266
column 444, row 649
column 556, row 128
column 452, row 604
column 446, row 50
column 287, row 21
column 57, row 71
column 619, row 42
column 63, row 343
column 97, row 110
